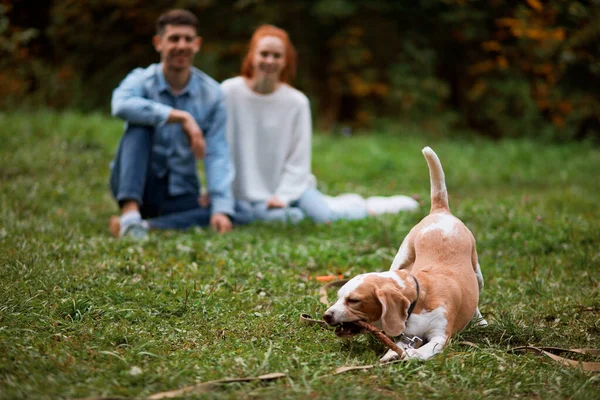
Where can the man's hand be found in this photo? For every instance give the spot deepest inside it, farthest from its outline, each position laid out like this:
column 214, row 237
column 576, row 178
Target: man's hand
column 204, row 200
column 221, row 223
column 196, row 136
column 274, row 202
column 191, row 129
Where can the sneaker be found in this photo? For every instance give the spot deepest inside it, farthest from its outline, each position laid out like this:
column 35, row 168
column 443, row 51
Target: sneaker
column 137, row 230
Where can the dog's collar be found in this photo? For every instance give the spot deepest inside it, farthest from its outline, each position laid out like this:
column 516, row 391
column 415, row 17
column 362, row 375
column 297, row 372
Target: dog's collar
column 414, row 303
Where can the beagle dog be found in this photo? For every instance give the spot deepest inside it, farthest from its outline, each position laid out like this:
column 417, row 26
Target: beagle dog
column 432, row 288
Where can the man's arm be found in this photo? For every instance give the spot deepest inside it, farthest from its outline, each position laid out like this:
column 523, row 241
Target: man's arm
column 218, row 165
column 128, row 102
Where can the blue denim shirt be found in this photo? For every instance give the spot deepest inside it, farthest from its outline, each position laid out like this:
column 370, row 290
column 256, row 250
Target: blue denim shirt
column 145, row 98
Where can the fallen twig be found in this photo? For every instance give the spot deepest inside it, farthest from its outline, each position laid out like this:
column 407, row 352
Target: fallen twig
column 382, row 337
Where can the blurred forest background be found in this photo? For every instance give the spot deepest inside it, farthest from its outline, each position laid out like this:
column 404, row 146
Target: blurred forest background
column 501, row 68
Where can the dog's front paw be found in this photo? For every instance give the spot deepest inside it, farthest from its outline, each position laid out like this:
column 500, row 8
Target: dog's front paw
column 391, row 355
column 415, row 354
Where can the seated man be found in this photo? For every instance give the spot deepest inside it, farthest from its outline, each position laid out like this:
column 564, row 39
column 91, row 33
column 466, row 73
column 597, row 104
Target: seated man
column 174, row 115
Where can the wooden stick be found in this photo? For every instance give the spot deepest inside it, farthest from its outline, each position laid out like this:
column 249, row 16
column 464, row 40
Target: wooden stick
column 381, row 336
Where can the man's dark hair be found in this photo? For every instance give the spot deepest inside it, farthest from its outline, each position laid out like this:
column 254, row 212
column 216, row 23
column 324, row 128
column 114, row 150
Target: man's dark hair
column 176, row 17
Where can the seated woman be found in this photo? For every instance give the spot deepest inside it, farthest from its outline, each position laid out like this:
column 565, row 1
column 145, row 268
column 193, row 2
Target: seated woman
column 269, row 132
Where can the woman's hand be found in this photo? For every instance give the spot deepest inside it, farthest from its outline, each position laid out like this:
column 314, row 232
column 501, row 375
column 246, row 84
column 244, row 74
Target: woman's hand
column 274, row 202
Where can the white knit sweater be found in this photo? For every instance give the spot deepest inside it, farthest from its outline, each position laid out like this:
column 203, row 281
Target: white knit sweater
column 270, row 141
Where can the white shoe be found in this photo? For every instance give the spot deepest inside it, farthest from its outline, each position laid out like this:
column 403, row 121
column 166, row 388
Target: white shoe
column 131, row 225
column 135, row 230
column 378, row 205
column 346, row 202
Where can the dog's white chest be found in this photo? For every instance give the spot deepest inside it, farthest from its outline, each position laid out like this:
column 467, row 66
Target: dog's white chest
column 427, row 324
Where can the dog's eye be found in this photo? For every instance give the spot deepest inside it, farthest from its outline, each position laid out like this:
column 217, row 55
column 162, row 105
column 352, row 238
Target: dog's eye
column 353, row 301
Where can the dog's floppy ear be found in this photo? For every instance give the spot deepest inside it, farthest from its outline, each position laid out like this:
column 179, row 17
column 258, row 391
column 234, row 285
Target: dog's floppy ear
column 394, row 310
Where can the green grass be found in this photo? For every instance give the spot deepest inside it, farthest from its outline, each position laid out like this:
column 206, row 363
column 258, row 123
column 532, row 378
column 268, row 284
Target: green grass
column 79, row 309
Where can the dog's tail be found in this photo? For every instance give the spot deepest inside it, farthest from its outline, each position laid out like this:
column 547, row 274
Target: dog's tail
column 439, row 194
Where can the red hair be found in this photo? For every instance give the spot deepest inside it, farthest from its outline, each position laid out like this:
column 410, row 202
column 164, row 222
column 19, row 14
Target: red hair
column 289, row 71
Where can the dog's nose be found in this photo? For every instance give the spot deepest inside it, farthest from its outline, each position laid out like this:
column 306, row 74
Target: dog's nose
column 328, row 317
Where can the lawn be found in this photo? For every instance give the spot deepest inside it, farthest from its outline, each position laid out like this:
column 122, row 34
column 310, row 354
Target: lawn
column 85, row 315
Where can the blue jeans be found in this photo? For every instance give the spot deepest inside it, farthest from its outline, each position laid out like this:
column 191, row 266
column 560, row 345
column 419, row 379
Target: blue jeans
column 311, row 204
column 132, row 178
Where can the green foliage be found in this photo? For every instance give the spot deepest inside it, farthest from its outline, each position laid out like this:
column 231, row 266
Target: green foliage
column 507, row 107
column 83, row 314
column 499, row 67
column 13, row 50
column 334, row 8
column 416, row 91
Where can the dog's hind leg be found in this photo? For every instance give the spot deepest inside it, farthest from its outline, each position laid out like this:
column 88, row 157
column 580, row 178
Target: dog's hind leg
column 405, row 257
column 476, row 266
column 478, row 318
column 479, row 277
